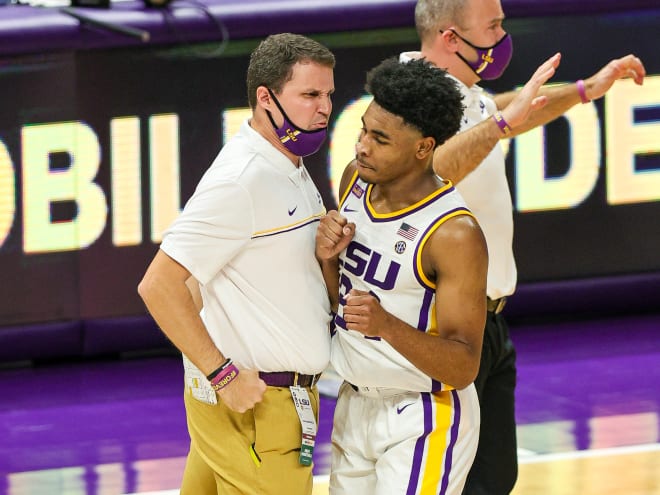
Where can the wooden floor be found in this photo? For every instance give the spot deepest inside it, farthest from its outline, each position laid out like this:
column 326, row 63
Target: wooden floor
column 587, row 409
column 623, row 471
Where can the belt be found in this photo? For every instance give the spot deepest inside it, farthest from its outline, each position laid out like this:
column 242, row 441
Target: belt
column 288, row 379
column 495, row 305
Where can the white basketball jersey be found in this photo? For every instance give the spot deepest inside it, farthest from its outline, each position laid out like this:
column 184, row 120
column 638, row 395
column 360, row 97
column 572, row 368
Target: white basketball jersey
column 384, row 258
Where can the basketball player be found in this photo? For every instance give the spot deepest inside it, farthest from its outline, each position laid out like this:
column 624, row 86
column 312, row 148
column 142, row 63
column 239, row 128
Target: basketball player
column 406, row 263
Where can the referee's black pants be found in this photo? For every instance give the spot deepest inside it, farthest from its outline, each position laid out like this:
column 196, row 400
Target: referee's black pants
column 495, row 467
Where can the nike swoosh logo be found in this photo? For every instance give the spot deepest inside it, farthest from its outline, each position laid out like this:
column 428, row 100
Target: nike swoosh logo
column 349, row 210
column 291, row 212
column 399, row 410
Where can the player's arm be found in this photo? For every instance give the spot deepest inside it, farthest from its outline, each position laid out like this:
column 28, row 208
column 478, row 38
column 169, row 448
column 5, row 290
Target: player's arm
column 456, row 258
column 332, row 236
column 168, row 298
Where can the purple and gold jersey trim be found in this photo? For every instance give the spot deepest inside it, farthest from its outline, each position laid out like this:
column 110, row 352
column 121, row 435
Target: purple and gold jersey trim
column 428, row 323
column 433, row 455
column 419, row 272
column 352, row 184
column 386, row 217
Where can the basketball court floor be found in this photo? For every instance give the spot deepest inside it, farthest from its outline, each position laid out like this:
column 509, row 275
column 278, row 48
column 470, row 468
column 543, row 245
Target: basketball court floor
column 588, row 404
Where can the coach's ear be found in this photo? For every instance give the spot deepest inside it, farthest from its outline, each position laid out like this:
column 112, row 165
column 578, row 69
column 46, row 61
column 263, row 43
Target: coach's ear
column 449, row 40
column 424, row 147
column 263, row 97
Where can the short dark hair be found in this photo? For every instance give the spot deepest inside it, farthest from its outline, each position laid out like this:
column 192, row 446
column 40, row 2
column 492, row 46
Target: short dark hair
column 424, row 96
column 271, row 63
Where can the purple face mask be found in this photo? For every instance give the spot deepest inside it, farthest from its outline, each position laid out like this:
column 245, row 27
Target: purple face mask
column 298, row 141
column 492, row 60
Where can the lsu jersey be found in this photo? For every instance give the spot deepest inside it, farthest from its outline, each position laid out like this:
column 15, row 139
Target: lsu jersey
column 384, row 258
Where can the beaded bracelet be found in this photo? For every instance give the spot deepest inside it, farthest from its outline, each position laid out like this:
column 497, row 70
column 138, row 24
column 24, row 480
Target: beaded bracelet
column 582, row 91
column 501, row 123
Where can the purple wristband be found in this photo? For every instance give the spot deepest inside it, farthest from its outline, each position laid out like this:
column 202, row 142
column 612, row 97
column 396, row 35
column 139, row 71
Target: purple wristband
column 501, row 123
column 225, row 377
column 582, row 91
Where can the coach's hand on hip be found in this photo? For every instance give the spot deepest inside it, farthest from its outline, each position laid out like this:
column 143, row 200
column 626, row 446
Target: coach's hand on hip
column 244, row 391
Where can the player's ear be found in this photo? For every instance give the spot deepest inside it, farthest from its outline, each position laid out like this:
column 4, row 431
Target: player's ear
column 425, row 146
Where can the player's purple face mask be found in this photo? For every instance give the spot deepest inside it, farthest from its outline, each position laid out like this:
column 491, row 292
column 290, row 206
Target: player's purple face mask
column 298, row 141
column 491, row 60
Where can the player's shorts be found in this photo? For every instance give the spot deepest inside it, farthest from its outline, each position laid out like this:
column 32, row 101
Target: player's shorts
column 221, row 460
column 390, row 442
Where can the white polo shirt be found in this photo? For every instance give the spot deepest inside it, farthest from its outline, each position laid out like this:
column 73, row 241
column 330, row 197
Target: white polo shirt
column 486, row 192
column 247, row 235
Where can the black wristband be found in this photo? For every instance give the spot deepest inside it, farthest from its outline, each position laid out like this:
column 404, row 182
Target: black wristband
column 215, row 373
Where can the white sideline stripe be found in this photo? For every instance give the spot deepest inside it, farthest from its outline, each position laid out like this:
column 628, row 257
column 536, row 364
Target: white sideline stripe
column 322, row 478
column 581, row 454
column 165, row 492
column 527, row 459
column 525, row 453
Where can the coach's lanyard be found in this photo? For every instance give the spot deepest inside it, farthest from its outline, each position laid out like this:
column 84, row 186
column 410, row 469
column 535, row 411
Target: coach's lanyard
column 308, row 422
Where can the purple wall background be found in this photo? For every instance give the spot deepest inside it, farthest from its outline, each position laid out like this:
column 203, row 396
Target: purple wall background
column 25, row 29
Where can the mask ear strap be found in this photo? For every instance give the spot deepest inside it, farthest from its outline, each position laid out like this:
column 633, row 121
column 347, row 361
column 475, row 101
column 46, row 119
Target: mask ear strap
column 465, row 41
column 451, row 34
column 458, row 54
column 484, row 48
column 286, row 117
column 270, row 117
column 467, row 63
column 276, row 101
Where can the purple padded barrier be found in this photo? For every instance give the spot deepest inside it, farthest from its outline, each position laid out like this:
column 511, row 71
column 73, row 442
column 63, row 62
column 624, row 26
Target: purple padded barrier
column 41, row 341
column 538, row 8
column 131, row 333
column 25, row 29
column 28, row 30
column 601, row 296
column 596, row 338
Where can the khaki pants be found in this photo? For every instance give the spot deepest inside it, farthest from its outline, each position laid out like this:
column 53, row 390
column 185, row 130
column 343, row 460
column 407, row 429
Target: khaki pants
column 220, row 461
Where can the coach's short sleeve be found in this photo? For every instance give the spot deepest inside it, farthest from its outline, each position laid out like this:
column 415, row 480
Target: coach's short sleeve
column 215, row 224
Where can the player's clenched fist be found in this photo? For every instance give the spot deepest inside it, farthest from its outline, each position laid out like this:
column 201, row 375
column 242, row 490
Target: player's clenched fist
column 363, row 312
column 333, row 235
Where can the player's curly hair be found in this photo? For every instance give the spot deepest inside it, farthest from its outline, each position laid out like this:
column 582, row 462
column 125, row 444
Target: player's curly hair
column 423, row 95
